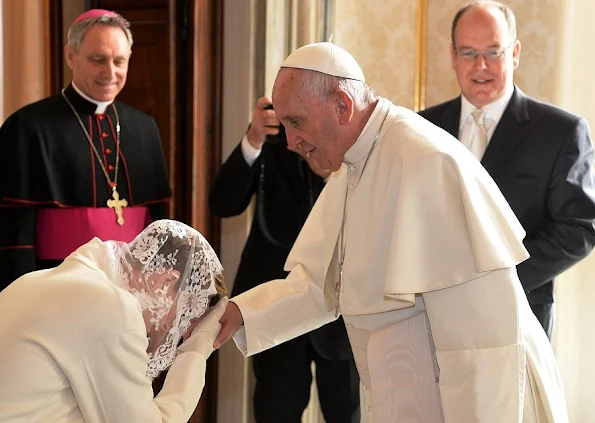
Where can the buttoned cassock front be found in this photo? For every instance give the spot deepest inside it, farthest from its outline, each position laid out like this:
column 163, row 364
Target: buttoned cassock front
column 423, row 218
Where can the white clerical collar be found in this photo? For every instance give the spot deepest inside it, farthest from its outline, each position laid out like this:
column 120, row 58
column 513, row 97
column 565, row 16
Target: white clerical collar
column 360, row 149
column 101, row 105
column 493, row 111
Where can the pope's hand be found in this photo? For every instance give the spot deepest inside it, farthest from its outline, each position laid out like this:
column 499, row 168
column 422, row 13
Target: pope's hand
column 231, row 321
column 205, row 331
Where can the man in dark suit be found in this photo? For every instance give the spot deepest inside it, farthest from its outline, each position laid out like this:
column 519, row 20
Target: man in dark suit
column 286, row 186
column 540, row 156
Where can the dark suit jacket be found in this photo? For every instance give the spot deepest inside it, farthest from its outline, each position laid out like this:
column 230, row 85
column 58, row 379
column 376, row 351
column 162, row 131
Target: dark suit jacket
column 541, row 157
column 285, row 189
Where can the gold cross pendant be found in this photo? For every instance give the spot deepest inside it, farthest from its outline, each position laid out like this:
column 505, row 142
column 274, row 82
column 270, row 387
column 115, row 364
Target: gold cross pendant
column 118, row 206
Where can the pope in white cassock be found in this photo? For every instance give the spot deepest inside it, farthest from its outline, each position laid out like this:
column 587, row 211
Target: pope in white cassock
column 413, row 243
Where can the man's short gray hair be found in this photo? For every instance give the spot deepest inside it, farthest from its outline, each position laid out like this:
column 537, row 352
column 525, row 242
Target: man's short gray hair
column 78, row 30
column 322, row 86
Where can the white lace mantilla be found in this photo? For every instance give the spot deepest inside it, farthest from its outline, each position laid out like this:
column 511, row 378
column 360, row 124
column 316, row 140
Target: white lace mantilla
column 171, row 269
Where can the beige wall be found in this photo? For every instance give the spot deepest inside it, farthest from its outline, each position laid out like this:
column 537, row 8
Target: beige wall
column 380, row 34
column 441, row 83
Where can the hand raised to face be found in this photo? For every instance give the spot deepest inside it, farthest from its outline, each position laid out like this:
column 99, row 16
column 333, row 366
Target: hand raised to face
column 264, row 122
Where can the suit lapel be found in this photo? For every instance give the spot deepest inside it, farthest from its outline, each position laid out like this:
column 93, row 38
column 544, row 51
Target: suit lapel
column 451, row 116
column 509, row 133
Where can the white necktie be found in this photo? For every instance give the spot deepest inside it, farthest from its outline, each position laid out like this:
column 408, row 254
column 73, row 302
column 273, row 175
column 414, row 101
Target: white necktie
column 479, row 141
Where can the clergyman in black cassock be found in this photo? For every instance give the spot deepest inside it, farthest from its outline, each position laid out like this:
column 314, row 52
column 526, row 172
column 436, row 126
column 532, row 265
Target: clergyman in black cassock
column 54, row 190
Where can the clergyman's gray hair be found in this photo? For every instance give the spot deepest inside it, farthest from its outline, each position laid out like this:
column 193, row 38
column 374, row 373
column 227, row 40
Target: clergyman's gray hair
column 78, row 30
column 321, row 86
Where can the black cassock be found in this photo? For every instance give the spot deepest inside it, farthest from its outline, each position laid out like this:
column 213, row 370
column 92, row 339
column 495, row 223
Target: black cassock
column 46, row 162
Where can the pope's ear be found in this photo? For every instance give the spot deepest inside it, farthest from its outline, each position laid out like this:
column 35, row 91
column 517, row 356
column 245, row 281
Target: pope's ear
column 345, row 106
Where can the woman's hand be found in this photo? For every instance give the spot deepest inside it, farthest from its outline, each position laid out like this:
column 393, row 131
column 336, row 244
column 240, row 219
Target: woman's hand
column 206, row 330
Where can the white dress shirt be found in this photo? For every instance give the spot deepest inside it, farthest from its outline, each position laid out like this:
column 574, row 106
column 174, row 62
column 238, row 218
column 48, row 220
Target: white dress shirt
column 249, row 152
column 493, row 114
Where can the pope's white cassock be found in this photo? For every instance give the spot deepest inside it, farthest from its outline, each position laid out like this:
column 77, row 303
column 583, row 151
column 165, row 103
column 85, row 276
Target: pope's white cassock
column 439, row 324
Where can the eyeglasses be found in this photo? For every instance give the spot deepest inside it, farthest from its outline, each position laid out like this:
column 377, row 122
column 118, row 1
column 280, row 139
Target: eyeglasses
column 489, row 55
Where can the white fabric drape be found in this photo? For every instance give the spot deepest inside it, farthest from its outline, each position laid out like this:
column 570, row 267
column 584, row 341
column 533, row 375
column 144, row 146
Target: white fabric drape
column 574, row 333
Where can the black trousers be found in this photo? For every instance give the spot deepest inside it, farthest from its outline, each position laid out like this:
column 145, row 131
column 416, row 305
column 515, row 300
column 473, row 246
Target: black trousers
column 284, row 377
column 544, row 314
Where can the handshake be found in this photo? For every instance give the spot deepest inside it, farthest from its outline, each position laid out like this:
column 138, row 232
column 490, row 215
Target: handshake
column 214, row 329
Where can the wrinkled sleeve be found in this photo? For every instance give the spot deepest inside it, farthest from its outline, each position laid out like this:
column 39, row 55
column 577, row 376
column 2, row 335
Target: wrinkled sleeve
column 111, row 384
column 283, row 309
column 280, row 310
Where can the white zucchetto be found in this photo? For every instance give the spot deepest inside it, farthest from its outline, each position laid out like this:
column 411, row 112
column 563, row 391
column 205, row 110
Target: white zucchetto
column 327, row 58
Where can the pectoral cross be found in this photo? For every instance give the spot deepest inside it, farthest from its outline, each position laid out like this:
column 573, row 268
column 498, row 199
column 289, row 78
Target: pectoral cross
column 118, row 206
